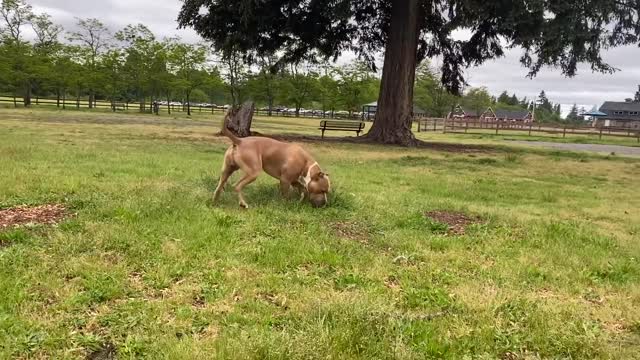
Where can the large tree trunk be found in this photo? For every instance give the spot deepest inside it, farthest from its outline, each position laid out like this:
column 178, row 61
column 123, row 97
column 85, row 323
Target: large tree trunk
column 392, row 124
column 240, row 119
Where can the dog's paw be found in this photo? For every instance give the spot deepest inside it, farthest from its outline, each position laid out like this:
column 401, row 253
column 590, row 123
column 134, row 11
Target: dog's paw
column 244, row 205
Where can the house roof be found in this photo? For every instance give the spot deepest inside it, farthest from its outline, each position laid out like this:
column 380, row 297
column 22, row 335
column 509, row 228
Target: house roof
column 469, row 111
column 511, row 114
column 610, row 106
column 619, row 106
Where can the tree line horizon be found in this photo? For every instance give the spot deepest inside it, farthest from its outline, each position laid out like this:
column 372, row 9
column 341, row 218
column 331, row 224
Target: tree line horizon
column 133, row 65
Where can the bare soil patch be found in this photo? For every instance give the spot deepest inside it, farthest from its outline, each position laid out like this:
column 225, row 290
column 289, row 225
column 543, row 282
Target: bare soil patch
column 457, row 222
column 106, row 351
column 351, row 230
column 48, row 214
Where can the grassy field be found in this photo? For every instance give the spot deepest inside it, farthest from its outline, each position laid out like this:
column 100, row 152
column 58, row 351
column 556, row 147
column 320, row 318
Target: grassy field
column 148, row 268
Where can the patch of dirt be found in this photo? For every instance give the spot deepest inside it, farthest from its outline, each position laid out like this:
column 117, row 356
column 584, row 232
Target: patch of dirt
column 351, row 230
column 49, row 214
column 392, row 283
column 456, row 221
column 273, row 299
column 106, row 352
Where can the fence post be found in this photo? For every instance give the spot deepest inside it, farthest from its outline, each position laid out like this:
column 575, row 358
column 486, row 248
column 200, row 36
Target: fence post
column 530, row 125
column 564, row 131
column 497, row 126
column 15, row 101
column 36, row 100
column 419, row 125
column 435, row 124
column 444, row 126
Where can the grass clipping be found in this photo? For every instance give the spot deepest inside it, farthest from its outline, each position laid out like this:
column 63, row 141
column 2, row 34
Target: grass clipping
column 49, row 214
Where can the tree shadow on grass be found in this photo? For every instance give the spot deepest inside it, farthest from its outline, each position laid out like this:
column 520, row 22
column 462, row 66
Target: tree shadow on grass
column 438, row 146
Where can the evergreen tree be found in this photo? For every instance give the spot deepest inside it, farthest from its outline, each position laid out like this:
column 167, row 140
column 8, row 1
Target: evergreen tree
column 411, row 30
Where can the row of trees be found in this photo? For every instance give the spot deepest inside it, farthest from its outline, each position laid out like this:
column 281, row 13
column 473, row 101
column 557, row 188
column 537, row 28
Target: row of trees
column 133, row 65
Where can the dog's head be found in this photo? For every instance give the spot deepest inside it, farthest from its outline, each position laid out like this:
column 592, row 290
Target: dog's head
column 318, row 187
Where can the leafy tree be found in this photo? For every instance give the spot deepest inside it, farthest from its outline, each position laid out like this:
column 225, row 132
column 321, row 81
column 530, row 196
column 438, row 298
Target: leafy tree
column 355, row 87
column 300, row 85
column 266, row 84
column 94, row 39
column 141, row 50
column 214, row 86
column 187, row 63
column 504, row 98
column 430, row 94
column 47, row 33
column 558, row 33
column 235, row 72
column 326, row 89
column 478, row 99
column 15, row 14
column 63, row 69
column 112, row 64
column 573, row 114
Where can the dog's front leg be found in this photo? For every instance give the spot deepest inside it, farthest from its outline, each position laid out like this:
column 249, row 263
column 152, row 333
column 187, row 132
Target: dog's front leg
column 285, row 188
column 301, row 189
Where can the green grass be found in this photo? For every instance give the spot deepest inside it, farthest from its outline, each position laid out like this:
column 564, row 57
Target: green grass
column 148, row 268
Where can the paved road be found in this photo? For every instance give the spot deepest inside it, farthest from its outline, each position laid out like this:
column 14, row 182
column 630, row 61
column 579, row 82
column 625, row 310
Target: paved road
column 606, row 149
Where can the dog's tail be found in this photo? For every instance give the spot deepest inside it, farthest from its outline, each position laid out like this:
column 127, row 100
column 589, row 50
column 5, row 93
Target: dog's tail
column 225, row 130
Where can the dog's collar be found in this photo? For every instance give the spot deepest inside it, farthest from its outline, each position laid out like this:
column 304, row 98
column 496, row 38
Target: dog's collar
column 305, row 180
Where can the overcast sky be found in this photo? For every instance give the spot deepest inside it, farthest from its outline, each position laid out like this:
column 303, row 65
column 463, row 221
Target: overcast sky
column 586, row 89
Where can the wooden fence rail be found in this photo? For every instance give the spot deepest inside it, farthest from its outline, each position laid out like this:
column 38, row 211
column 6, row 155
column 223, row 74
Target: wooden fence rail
column 75, row 103
column 497, row 126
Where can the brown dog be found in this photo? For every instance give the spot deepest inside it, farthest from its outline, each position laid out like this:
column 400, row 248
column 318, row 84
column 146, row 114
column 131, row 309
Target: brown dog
column 289, row 163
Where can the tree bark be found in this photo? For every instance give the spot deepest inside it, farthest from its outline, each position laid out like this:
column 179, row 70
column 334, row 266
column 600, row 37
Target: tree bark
column 188, row 104
column 27, row 95
column 393, row 119
column 240, row 119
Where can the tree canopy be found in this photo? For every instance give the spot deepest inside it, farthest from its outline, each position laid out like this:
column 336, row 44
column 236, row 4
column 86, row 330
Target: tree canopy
column 559, row 33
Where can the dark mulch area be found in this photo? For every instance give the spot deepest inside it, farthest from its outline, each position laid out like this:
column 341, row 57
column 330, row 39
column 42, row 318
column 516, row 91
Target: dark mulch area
column 48, row 214
column 106, row 351
column 456, row 221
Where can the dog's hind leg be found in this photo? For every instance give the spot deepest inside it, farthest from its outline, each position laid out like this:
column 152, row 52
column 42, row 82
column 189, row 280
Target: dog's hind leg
column 251, row 164
column 228, row 168
column 246, row 180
